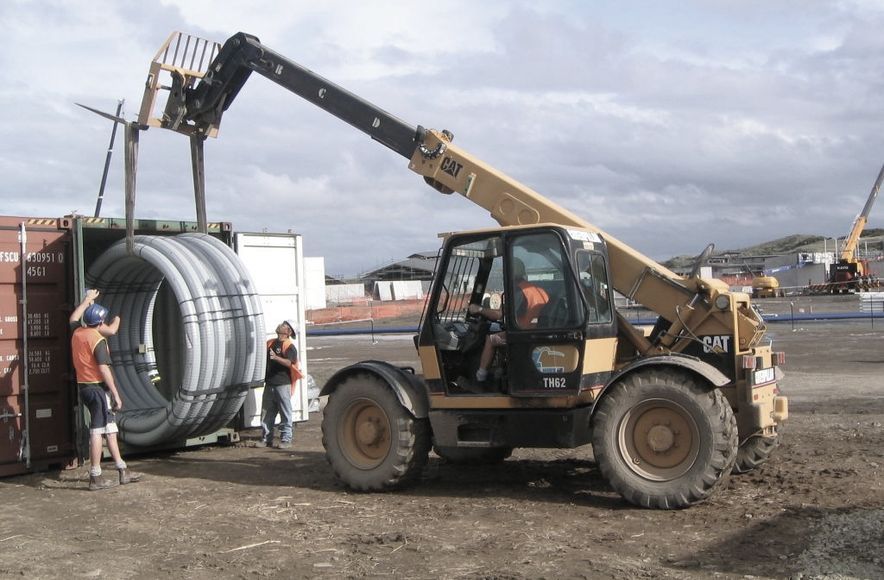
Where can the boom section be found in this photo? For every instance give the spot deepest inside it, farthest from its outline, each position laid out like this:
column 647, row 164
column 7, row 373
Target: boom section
column 687, row 302
column 859, row 223
column 198, row 109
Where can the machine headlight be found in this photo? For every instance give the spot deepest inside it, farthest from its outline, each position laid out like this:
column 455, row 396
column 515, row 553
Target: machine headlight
column 722, row 301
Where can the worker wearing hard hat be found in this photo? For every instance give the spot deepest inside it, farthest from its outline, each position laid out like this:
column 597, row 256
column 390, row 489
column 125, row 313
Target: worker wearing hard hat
column 96, row 387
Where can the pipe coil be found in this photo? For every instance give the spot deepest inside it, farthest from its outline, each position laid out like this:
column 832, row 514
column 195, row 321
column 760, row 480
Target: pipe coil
column 191, row 343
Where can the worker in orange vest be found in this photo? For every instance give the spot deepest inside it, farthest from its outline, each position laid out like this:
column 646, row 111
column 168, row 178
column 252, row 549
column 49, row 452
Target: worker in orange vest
column 280, row 381
column 96, row 387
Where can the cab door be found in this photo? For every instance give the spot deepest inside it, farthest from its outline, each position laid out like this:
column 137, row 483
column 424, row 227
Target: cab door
column 544, row 344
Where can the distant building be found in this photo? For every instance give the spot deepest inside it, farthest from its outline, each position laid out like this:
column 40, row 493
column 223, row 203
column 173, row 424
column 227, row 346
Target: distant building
column 315, row 281
column 419, row 266
column 406, row 279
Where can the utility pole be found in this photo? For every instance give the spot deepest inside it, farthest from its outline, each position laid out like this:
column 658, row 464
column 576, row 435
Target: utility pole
column 110, row 150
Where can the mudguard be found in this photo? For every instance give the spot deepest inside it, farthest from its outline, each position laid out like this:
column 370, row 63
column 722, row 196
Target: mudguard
column 705, row 370
column 409, row 388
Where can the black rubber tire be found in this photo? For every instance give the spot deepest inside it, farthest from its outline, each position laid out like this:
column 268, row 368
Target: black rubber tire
column 663, row 439
column 473, row 455
column 371, row 441
column 755, row 451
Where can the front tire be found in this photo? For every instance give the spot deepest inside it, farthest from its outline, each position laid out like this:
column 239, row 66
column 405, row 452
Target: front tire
column 371, row 441
column 662, row 439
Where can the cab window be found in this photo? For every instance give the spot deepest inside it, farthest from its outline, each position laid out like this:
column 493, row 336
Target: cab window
column 594, row 285
column 473, row 273
column 542, row 284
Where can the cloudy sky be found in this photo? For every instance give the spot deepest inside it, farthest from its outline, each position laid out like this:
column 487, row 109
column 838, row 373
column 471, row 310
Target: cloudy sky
column 668, row 124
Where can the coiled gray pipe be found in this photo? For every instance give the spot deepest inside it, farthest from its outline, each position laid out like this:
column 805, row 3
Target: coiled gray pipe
column 191, row 343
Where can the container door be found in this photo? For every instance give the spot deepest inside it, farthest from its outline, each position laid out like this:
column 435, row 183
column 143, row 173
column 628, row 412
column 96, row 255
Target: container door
column 276, row 264
column 36, row 391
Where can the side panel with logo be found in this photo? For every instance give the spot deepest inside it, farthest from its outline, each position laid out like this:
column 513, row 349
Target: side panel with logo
column 717, row 350
column 551, row 367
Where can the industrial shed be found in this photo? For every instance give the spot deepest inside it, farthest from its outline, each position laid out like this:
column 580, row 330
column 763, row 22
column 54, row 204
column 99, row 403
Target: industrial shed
column 419, row 266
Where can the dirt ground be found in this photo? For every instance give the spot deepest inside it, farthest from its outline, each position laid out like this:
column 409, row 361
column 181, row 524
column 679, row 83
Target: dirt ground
column 816, row 510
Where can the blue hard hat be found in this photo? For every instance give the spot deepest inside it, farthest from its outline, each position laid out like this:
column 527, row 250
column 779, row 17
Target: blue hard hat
column 95, row 314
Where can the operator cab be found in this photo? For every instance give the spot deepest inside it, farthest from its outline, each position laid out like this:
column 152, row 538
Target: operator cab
column 546, row 288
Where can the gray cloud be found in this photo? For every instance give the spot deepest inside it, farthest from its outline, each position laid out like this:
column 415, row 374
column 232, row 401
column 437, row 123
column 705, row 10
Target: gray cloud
column 670, row 125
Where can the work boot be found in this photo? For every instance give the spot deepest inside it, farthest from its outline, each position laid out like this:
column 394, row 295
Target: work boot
column 285, row 444
column 127, row 476
column 96, row 483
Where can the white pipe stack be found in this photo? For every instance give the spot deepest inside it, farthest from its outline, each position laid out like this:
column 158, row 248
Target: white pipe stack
column 192, row 338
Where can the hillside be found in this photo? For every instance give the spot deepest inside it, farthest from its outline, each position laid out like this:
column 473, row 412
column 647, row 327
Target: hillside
column 872, row 237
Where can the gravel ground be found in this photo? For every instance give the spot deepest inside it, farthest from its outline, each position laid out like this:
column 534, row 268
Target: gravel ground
column 815, row 510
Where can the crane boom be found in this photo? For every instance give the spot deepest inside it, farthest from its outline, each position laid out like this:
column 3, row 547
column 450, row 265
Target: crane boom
column 849, row 249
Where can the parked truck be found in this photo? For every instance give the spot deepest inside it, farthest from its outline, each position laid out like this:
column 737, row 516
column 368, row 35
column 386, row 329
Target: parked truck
column 670, row 411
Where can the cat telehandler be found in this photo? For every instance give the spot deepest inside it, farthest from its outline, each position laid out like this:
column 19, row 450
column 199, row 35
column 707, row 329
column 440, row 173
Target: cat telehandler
column 670, row 409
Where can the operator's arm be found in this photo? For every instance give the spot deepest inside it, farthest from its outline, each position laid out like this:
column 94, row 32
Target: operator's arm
column 90, row 297
column 489, row 313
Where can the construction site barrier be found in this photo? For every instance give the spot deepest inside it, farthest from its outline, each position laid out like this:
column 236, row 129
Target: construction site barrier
column 877, row 313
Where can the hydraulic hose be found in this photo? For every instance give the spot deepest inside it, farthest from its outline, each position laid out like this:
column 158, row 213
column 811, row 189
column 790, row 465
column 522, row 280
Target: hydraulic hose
column 191, row 343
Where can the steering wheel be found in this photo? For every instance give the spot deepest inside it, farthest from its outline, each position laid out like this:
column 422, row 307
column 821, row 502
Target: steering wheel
column 477, row 329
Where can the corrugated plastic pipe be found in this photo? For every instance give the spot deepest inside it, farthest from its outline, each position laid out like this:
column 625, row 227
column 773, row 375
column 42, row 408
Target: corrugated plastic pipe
column 192, row 340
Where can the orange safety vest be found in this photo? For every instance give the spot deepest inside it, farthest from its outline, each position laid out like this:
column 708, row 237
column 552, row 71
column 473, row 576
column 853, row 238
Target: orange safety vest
column 83, row 344
column 295, row 369
column 535, row 299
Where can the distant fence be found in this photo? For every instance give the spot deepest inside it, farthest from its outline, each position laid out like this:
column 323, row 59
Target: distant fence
column 364, row 312
column 871, row 308
column 871, row 302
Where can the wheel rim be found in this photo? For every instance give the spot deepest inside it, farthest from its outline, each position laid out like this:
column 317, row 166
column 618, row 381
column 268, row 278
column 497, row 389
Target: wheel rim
column 365, row 434
column 659, row 440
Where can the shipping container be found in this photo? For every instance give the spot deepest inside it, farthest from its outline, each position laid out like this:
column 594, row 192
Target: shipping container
column 36, row 399
column 190, row 350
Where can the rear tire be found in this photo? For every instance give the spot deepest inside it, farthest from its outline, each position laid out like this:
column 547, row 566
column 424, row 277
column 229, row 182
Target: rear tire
column 754, row 452
column 371, row 441
column 663, row 439
column 473, row 455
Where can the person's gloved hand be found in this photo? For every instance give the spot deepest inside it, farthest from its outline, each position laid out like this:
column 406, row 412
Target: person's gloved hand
column 474, row 309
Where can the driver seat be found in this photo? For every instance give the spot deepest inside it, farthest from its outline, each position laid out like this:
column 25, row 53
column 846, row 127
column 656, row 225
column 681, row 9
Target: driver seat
column 554, row 314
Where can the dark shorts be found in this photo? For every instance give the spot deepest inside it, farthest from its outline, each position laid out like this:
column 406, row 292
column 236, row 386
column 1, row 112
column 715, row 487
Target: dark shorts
column 97, row 400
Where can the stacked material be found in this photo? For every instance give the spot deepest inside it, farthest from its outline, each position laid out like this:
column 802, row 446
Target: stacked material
column 192, row 340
